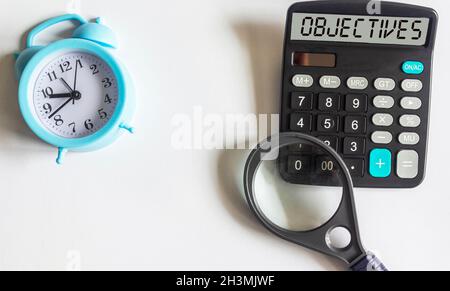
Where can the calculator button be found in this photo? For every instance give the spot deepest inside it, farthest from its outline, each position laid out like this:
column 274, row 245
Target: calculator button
column 384, row 84
column 356, row 167
column 383, row 102
column 411, row 85
column 330, row 82
column 301, row 148
column 329, row 102
column 356, row 103
column 409, row 138
column 357, row 83
column 302, row 81
column 355, row 124
column 302, row 101
column 327, row 123
column 411, row 103
column 354, row 146
column 410, row 121
column 331, row 141
column 301, row 122
column 325, row 165
column 382, row 137
column 380, row 163
column 299, row 165
column 382, row 119
column 413, row 68
column 407, row 164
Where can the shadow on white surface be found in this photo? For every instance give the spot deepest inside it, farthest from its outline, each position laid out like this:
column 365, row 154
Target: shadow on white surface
column 264, row 45
column 231, row 177
column 12, row 124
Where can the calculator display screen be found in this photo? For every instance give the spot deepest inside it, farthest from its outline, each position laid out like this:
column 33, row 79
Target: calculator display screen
column 360, row 29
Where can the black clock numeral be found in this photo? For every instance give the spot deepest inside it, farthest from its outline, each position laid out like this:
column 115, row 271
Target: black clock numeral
column 47, row 92
column 108, row 99
column 88, row 124
column 73, row 126
column 65, row 67
column 103, row 114
column 107, row 83
column 79, row 64
column 52, row 76
column 58, row 120
column 47, row 108
column 94, row 69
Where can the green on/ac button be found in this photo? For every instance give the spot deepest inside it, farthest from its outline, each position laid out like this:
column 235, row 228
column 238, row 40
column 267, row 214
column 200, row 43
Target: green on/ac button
column 413, row 67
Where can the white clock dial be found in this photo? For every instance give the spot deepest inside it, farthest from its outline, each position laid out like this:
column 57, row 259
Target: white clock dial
column 75, row 95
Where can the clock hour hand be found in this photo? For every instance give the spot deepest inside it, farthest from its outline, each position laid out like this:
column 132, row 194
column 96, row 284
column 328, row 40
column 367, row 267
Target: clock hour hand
column 66, row 85
column 72, row 91
column 64, row 95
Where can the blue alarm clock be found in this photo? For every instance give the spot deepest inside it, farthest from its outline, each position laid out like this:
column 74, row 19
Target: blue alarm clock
column 74, row 93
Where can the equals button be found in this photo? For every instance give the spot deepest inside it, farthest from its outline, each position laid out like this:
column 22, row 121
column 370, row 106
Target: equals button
column 408, row 164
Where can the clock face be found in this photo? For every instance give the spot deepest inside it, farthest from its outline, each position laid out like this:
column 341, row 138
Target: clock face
column 75, row 95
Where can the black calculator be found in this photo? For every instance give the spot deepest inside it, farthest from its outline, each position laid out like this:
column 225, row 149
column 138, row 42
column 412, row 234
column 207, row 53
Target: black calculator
column 361, row 83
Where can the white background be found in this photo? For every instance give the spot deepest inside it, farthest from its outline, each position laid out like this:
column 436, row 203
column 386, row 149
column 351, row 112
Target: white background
column 141, row 204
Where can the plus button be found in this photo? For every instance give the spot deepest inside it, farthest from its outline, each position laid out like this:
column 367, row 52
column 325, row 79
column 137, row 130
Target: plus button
column 380, row 163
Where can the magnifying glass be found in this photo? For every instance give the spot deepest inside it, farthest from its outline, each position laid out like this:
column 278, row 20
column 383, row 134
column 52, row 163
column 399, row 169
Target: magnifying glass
column 301, row 190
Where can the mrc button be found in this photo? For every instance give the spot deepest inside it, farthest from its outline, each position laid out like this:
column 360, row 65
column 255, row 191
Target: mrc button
column 413, row 68
column 357, row 83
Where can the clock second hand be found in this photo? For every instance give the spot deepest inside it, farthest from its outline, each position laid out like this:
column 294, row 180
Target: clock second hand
column 61, row 107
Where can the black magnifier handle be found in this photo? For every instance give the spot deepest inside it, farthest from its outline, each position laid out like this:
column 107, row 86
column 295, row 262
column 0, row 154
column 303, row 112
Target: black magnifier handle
column 369, row 263
column 354, row 255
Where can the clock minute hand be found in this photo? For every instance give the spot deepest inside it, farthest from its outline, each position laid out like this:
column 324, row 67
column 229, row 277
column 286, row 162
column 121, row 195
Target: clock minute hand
column 75, row 78
column 61, row 107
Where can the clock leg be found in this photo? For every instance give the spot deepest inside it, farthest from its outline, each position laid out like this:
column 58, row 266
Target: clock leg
column 126, row 127
column 61, row 153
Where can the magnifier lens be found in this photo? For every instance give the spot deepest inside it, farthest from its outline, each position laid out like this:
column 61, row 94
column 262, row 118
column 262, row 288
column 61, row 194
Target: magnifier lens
column 301, row 190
